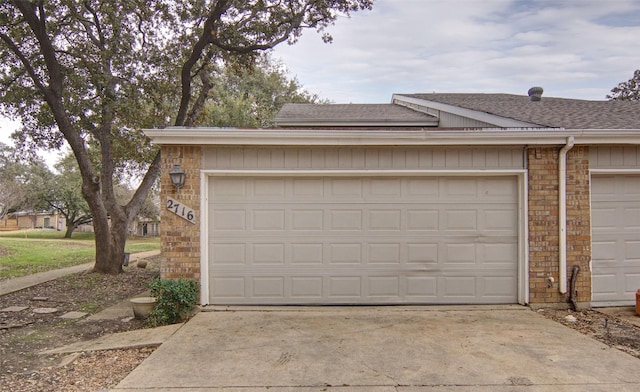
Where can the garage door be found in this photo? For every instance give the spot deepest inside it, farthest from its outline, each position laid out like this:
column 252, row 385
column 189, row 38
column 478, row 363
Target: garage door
column 615, row 211
column 362, row 240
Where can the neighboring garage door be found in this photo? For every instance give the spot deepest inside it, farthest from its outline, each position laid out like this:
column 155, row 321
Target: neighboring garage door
column 615, row 215
column 362, row 240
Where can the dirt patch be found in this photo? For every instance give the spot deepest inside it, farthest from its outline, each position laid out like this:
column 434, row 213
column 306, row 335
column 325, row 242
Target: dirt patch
column 609, row 329
column 24, row 333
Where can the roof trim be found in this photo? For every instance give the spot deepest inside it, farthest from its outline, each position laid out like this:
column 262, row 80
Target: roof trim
column 355, row 123
column 499, row 121
column 302, row 137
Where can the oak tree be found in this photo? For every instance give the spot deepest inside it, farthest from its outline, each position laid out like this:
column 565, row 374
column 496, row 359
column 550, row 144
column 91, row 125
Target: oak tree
column 92, row 73
column 627, row 91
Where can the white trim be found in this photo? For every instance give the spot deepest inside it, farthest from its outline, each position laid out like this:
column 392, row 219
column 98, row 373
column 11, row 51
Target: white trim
column 357, row 123
column 204, row 244
column 613, row 171
column 520, row 174
column 523, row 239
column 363, row 173
column 475, row 137
column 562, row 214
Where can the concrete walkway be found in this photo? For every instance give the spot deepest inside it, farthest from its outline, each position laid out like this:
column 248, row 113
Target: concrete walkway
column 381, row 349
column 16, row 284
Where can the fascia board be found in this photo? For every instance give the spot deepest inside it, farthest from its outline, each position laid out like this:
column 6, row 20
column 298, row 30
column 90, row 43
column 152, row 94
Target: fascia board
column 217, row 137
column 298, row 123
column 499, row 121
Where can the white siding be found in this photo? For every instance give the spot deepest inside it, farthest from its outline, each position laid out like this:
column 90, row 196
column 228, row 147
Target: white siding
column 370, row 158
column 614, row 157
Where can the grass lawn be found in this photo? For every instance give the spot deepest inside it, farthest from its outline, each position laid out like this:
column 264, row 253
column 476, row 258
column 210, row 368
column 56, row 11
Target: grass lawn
column 26, row 252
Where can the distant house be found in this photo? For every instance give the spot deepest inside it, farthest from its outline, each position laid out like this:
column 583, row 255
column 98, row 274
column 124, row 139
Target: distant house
column 430, row 199
column 145, row 227
column 39, row 220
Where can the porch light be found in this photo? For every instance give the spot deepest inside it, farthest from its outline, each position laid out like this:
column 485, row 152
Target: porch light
column 177, row 176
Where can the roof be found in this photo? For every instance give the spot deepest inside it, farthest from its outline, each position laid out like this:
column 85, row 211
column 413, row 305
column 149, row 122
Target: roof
column 352, row 114
column 549, row 112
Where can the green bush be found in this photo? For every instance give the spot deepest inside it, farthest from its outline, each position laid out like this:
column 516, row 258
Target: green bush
column 174, row 299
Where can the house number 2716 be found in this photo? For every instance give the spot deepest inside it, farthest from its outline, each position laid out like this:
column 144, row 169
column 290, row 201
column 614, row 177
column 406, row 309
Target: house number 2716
column 181, row 210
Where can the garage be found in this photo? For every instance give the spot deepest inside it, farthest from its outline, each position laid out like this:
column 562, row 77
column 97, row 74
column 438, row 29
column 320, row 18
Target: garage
column 342, row 238
column 615, row 206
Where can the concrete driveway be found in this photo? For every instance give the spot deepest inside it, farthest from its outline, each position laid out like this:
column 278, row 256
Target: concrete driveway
column 381, row 349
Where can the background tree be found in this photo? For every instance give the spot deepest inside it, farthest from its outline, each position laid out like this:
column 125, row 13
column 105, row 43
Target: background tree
column 12, row 192
column 627, row 91
column 250, row 97
column 62, row 194
column 21, row 181
column 93, row 72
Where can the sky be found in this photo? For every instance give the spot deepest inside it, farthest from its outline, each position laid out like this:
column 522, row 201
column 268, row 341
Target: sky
column 572, row 48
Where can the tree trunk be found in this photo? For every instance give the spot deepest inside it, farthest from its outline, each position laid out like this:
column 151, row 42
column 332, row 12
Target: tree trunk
column 110, row 241
column 70, row 228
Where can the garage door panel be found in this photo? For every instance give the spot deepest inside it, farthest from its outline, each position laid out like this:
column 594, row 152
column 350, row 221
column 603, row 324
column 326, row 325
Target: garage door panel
column 632, row 217
column 422, row 253
column 308, row 188
column 421, row 188
column 270, row 253
column 460, row 220
column 228, row 288
column 345, row 287
column 632, row 282
column 350, row 253
column 362, row 240
column 423, row 220
column 459, row 287
column 496, row 220
column 307, row 253
column 499, row 253
column 497, row 286
column 304, row 220
column 228, row 253
column 224, row 220
column 384, row 286
column 345, row 220
column 632, row 252
column 381, row 253
column 268, row 220
column 385, row 219
column 616, row 239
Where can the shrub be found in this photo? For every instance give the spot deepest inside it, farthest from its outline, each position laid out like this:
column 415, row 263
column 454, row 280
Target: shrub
column 174, row 299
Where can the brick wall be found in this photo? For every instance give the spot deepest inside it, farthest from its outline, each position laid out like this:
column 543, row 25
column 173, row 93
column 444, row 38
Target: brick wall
column 180, row 239
column 543, row 225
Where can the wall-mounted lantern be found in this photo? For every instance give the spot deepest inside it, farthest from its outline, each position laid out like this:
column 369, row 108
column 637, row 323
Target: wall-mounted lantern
column 177, row 176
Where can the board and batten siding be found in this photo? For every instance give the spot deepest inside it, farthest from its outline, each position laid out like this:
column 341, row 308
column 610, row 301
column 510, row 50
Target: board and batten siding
column 369, row 158
column 614, row 157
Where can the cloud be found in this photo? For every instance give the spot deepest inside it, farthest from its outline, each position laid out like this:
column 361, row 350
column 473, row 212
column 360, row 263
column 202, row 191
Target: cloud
column 575, row 49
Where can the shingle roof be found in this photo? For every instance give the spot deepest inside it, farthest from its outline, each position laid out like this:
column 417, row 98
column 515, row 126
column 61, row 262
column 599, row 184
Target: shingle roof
column 351, row 113
column 549, row 112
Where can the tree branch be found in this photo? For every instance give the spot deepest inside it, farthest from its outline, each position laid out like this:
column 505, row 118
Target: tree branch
column 196, row 54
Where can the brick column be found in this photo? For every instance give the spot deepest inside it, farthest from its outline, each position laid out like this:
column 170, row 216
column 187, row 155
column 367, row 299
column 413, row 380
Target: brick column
column 543, row 225
column 579, row 222
column 180, row 239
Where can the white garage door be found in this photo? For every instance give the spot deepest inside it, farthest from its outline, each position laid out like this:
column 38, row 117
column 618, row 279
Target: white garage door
column 362, row 240
column 615, row 214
